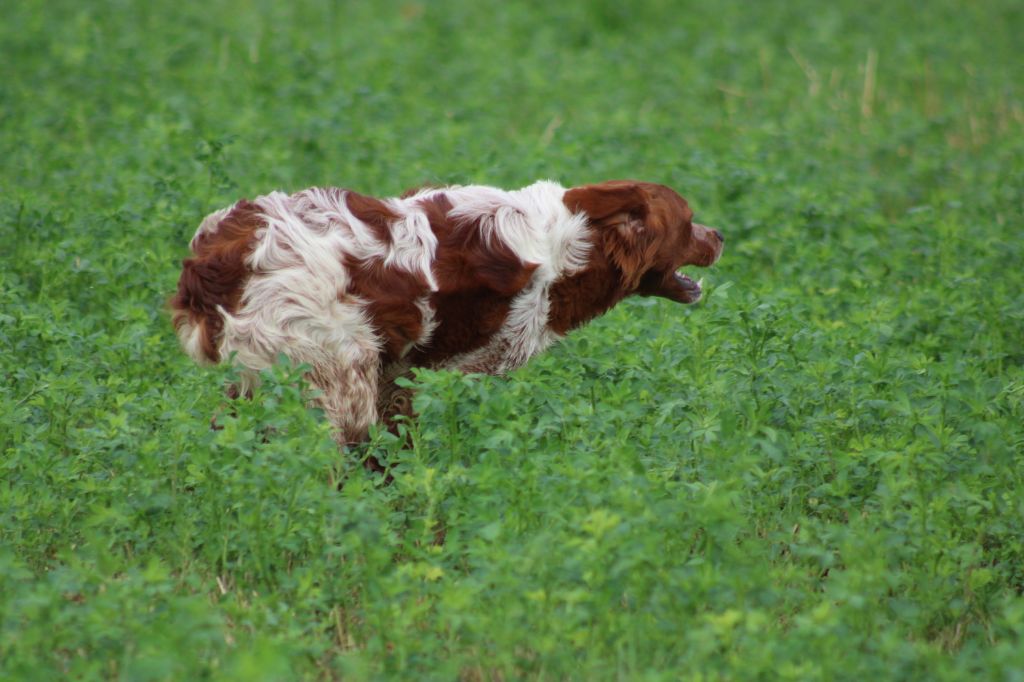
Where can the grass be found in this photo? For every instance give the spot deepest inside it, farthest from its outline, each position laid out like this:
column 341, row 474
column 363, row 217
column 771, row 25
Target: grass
column 816, row 473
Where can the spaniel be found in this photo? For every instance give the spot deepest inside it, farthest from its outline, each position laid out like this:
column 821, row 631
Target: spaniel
column 471, row 278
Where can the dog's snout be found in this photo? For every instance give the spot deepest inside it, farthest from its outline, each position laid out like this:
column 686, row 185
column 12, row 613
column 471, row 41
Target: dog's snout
column 719, row 235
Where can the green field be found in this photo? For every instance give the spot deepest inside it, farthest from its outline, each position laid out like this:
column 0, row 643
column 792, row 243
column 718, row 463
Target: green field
column 816, row 473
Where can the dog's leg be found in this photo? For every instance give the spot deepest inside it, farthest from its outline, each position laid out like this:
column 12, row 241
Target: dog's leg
column 394, row 401
column 399, row 404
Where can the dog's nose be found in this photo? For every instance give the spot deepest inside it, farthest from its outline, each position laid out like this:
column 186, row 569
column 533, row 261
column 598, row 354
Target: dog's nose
column 719, row 235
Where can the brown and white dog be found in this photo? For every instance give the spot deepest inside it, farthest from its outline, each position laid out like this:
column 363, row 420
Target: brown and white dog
column 471, row 278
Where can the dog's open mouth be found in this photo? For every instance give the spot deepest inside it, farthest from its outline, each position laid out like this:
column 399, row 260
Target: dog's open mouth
column 689, row 289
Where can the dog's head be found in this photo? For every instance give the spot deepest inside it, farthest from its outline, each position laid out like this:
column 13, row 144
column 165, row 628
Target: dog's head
column 647, row 232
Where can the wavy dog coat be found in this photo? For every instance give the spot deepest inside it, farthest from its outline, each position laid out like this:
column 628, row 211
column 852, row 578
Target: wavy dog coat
column 471, row 278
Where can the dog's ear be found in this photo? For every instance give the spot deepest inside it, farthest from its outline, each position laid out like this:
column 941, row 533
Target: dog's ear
column 608, row 202
column 619, row 209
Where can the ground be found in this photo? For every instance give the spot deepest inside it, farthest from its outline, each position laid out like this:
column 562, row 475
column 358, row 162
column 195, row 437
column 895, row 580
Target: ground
column 815, row 473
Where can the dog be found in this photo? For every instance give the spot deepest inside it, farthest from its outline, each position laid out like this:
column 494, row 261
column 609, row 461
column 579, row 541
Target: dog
column 470, row 278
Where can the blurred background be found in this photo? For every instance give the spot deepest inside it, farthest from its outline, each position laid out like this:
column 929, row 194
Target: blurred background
column 814, row 474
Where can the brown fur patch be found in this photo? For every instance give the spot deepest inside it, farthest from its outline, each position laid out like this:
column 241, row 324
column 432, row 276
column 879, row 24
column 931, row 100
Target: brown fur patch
column 390, row 293
column 467, row 321
column 618, row 209
column 579, row 298
column 476, row 284
column 215, row 275
column 374, row 212
column 466, row 261
column 606, row 200
column 390, row 296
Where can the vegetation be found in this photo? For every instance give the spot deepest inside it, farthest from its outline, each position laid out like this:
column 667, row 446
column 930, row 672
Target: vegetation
column 815, row 473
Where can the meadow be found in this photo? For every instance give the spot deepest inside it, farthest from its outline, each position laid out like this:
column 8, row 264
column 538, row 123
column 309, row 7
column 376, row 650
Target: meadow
column 816, row 473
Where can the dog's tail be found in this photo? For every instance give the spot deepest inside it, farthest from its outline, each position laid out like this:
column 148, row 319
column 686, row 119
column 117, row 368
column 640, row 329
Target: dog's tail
column 212, row 279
